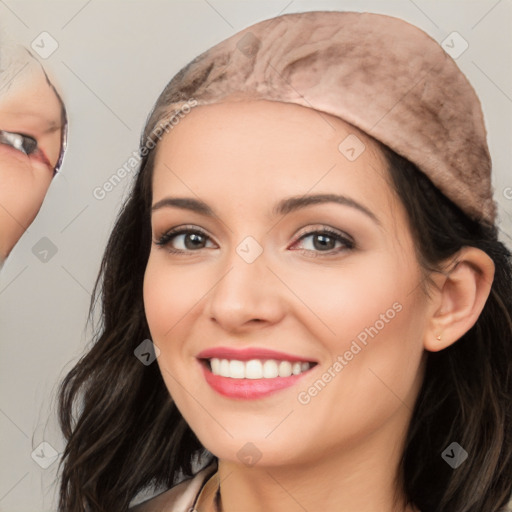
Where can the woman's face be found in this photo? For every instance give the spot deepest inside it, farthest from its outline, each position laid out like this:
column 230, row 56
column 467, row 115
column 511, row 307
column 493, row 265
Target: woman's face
column 28, row 105
column 262, row 266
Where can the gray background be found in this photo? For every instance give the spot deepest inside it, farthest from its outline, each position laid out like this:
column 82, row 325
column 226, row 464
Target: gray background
column 112, row 61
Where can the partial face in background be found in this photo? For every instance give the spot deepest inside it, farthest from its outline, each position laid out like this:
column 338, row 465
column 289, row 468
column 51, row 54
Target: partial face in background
column 264, row 273
column 28, row 106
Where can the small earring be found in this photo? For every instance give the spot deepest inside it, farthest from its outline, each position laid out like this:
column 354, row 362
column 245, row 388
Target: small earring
column 438, row 337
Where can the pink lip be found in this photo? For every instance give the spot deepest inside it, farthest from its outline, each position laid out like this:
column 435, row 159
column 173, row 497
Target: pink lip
column 248, row 389
column 246, row 354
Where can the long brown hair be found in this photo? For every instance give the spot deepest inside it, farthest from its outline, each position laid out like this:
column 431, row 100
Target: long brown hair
column 125, row 435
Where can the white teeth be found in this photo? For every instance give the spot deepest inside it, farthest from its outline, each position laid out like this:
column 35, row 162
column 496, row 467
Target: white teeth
column 285, row 368
column 253, row 369
column 270, row 369
column 236, row 369
column 224, row 368
column 256, row 368
column 215, row 366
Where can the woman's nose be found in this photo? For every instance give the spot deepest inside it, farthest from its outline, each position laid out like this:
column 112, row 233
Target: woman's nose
column 249, row 294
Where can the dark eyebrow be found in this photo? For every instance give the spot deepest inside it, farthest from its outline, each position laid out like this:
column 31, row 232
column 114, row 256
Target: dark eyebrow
column 50, row 125
column 284, row 206
column 186, row 203
column 295, row 203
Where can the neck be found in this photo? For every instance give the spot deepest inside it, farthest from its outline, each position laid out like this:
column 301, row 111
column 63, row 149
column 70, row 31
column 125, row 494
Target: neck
column 360, row 476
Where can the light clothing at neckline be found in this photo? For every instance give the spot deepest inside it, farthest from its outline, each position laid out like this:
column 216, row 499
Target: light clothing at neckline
column 198, row 494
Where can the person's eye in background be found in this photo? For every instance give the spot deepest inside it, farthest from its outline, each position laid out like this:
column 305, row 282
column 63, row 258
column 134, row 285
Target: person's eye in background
column 33, row 135
column 24, row 143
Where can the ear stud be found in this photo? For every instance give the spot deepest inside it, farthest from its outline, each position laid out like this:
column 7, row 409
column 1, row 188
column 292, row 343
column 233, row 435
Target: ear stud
column 438, row 337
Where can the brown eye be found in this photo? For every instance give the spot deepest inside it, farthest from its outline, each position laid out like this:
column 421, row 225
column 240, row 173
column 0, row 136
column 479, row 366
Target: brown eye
column 325, row 240
column 24, row 143
column 191, row 240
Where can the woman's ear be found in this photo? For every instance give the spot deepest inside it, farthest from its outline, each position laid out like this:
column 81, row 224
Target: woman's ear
column 458, row 297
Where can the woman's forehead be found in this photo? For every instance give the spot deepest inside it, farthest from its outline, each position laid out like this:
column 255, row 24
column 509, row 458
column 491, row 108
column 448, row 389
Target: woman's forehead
column 269, row 125
column 266, row 147
column 256, row 119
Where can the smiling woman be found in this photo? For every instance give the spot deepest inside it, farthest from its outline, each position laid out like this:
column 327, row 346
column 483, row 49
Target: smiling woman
column 32, row 141
column 290, row 238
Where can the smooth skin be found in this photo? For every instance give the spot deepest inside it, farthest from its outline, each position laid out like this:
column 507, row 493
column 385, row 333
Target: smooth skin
column 30, row 106
column 340, row 451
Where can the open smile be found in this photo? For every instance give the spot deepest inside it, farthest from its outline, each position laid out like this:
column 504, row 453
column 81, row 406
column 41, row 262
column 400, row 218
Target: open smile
column 251, row 373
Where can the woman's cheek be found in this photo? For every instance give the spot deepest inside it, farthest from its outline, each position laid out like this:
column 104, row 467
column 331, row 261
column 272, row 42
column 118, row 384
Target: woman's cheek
column 348, row 299
column 170, row 295
column 159, row 301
